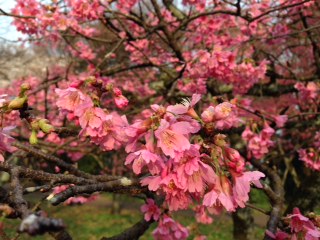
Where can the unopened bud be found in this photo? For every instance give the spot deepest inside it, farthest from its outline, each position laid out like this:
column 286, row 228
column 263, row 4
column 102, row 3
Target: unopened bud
column 220, row 140
column 17, row 103
column 45, row 126
column 25, row 86
column 226, row 185
column 192, row 113
column 33, row 139
column 109, row 86
column 35, row 125
column 91, row 80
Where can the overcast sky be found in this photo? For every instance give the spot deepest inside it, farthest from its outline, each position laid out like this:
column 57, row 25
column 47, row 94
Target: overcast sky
column 7, row 31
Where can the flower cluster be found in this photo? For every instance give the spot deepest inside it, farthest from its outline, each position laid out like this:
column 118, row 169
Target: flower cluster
column 307, row 92
column 150, row 210
column 104, row 128
column 169, row 229
column 184, row 171
column 301, row 227
column 223, row 116
column 258, row 144
column 310, row 157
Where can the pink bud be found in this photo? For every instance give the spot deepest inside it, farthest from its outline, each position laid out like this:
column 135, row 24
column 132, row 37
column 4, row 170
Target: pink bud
column 121, row 101
column 207, row 115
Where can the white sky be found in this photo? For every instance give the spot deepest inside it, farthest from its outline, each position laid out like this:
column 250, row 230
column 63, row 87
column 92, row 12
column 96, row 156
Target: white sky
column 7, row 30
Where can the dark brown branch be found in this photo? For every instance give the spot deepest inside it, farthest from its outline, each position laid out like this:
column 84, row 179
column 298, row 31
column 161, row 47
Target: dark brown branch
column 56, row 160
column 45, row 177
column 4, row 13
column 120, row 69
column 171, row 40
column 276, row 196
column 314, row 44
column 132, row 233
column 112, row 186
column 16, row 198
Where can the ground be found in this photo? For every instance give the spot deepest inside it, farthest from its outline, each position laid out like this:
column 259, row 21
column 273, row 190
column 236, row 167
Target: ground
column 95, row 220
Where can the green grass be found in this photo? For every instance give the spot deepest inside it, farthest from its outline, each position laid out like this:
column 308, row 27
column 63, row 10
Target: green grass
column 95, row 220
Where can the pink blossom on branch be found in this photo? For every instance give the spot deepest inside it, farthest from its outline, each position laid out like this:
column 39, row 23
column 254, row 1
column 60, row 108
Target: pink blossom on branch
column 258, row 144
column 310, row 157
column 169, row 229
column 301, row 227
column 150, row 210
column 172, row 137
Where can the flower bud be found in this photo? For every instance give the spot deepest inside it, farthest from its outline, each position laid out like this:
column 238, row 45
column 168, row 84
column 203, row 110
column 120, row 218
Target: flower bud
column 192, row 113
column 222, row 110
column 207, row 115
column 45, row 126
column 17, row 103
column 25, row 86
column 220, row 140
column 109, row 87
column 121, row 101
column 33, row 139
column 35, row 125
column 226, row 185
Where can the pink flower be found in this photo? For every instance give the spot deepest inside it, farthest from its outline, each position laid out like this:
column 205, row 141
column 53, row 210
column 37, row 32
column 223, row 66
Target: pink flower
column 220, row 194
column 281, row 120
column 186, row 106
column 258, row 144
column 309, row 92
column 224, row 115
column 90, row 116
column 171, row 138
column 207, row 115
column 175, row 197
column 192, row 174
column 111, row 133
column 150, row 210
column 153, row 182
column 228, row 196
column 121, row 101
column 303, row 226
column 142, row 158
column 247, row 134
column 70, row 98
column 242, row 183
column 169, row 229
column 202, row 216
column 222, row 111
column 235, row 161
column 278, row 236
column 267, row 131
column 310, row 157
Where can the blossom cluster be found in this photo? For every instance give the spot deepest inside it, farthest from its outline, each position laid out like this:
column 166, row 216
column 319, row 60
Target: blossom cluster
column 258, row 144
column 184, row 171
column 104, row 128
column 301, row 227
